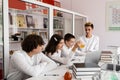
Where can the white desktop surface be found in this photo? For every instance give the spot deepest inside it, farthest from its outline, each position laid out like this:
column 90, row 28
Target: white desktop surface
column 60, row 71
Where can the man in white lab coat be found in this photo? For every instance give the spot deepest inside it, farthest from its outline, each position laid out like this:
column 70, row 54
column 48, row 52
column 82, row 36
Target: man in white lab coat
column 90, row 41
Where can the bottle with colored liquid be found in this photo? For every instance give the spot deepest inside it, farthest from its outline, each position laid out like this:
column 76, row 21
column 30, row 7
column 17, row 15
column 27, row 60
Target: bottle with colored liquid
column 82, row 45
column 114, row 76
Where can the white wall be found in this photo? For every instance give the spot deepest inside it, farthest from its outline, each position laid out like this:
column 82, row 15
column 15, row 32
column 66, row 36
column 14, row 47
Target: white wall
column 95, row 10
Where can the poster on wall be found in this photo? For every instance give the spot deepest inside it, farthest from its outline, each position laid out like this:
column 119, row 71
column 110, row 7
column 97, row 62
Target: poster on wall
column 20, row 20
column 29, row 21
column 113, row 16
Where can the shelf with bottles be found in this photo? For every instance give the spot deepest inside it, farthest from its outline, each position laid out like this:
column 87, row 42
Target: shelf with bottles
column 58, row 23
column 58, row 20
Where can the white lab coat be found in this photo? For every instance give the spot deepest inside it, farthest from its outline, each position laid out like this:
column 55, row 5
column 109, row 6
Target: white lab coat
column 23, row 66
column 67, row 52
column 91, row 44
column 58, row 57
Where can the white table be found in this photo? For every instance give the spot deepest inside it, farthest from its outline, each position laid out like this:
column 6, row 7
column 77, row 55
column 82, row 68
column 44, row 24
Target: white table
column 60, row 71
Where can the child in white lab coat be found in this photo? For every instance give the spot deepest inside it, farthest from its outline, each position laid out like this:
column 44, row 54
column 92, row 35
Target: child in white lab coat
column 69, row 40
column 29, row 61
column 54, row 47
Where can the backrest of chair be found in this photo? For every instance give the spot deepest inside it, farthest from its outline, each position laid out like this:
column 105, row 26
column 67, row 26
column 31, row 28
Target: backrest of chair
column 93, row 57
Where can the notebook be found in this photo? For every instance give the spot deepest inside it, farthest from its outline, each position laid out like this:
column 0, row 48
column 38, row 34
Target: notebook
column 86, row 67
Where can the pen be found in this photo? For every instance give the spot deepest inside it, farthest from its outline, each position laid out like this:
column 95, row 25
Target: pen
column 51, row 74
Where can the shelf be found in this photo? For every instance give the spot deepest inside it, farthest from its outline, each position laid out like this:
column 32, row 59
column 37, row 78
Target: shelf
column 14, row 41
column 58, row 18
column 58, row 29
column 30, row 28
column 35, row 11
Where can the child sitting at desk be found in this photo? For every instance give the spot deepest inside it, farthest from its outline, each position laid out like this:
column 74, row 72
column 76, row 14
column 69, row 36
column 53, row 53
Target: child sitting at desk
column 54, row 47
column 69, row 40
column 29, row 61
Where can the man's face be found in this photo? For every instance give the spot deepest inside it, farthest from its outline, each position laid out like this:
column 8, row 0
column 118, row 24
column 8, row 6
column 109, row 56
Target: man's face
column 88, row 30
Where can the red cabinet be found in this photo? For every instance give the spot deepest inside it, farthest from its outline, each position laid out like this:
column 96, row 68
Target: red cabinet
column 49, row 2
column 17, row 4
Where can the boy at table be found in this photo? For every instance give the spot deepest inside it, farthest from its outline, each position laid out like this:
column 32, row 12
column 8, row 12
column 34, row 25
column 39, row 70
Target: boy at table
column 29, row 61
column 69, row 40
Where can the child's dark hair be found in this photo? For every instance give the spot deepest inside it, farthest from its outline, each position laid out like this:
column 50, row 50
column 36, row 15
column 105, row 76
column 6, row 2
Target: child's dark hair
column 31, row 42
column 53, row 42
column 68, row 36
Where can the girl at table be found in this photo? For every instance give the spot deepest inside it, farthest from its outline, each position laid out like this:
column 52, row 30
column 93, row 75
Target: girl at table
column 29, row 61
column 54, row 47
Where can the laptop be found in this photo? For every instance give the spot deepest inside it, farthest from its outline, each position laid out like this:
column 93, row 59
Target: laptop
column 93, row 57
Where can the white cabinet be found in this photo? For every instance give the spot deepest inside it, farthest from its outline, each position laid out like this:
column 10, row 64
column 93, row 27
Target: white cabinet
column 1, row 23
column 25, row 22
column 1, row 39
column 40, row 20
